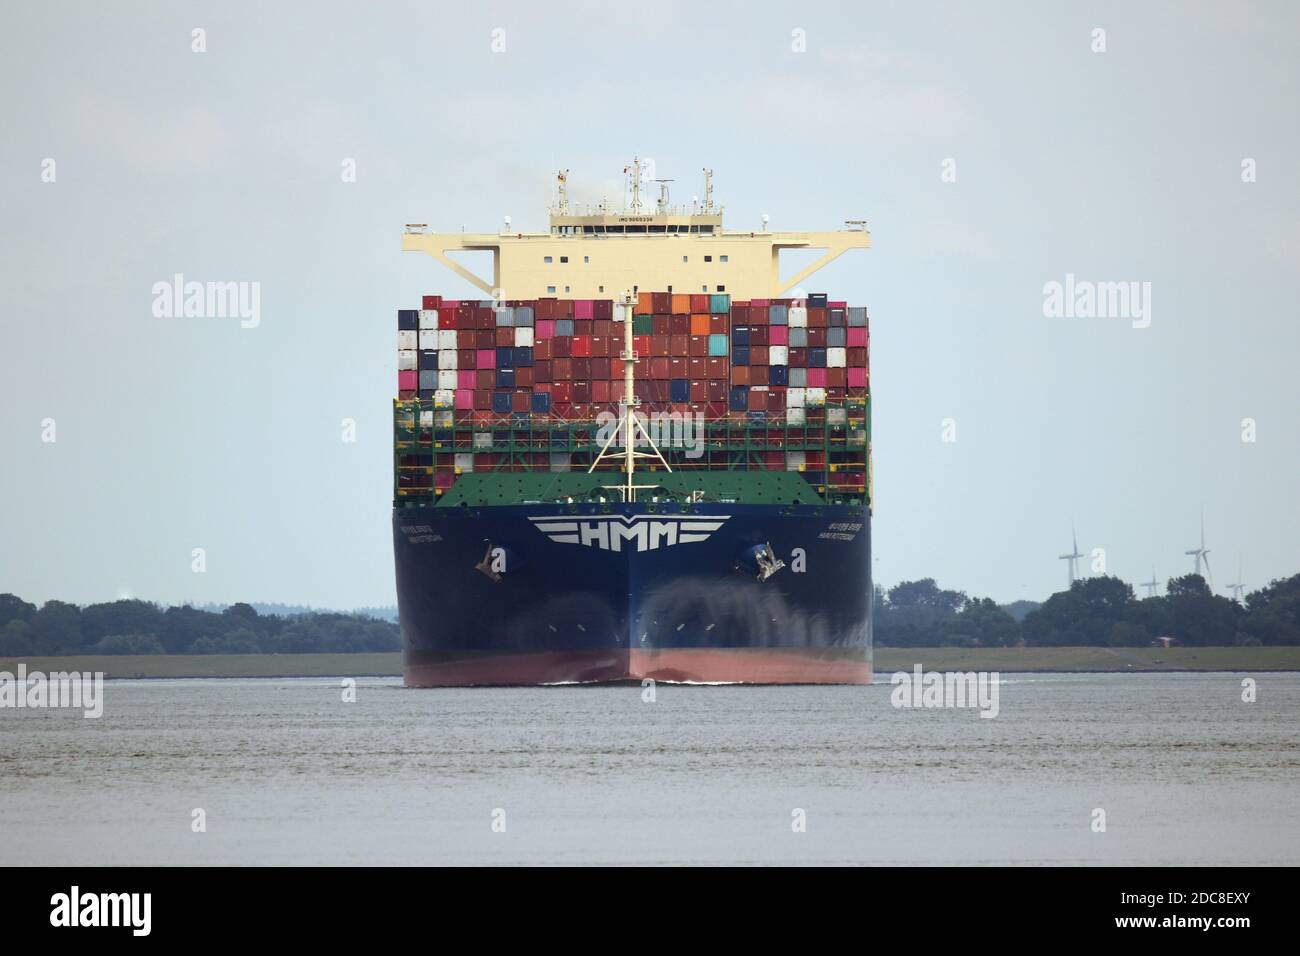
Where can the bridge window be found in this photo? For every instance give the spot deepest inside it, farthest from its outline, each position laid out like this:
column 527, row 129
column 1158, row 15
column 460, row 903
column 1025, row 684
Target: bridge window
column 546, row 259
column 722, row 258
column 686, row 258
column 551, row 289
column 564, row 258
column 708, row 258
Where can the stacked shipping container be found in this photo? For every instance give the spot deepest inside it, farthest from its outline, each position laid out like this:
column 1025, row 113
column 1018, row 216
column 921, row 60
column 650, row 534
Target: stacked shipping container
column 466, row 368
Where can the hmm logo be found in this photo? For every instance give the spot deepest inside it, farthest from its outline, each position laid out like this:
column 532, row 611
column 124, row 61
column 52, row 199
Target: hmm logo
column 647, row 532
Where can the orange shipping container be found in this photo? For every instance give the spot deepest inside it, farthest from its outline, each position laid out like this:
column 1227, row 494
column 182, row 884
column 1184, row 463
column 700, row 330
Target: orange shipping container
column 700, row 324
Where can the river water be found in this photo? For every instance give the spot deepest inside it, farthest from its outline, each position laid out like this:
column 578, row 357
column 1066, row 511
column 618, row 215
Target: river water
column 287, row 772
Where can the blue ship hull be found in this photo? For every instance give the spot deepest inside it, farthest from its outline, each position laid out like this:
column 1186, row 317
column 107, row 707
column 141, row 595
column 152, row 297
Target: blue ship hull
column 539, row 594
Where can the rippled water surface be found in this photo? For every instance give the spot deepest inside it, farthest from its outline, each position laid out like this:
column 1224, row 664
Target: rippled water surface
column 286, row 772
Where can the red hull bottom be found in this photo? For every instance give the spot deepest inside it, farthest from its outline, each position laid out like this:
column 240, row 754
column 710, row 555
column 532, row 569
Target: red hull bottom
column 677, row 665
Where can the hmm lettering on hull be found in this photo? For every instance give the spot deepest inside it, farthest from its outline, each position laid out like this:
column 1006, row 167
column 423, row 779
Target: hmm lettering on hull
column 636, row 532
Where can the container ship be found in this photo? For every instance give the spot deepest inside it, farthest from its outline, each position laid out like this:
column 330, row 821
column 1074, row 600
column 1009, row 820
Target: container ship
column 642, row 455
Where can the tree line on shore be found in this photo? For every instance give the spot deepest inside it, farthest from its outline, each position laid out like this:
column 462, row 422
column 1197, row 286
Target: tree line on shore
column 1096, row 611
column 139, row 627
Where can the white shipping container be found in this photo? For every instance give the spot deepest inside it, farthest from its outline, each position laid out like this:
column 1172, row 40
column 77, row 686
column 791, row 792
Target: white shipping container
column 778, row 355
column 408, row 360
column 795, row 416
column 523, row 337
column 428, row 339
column 446, row 339
column 561, row 461
column 798, row 317
column 794, row 397
column 836, row 358
column 444, row 397
column 795, row 460
column 482, row 439
column 447, row 379
column 406, row 339
column 428, row 319
column 836, row 416
column 464, row 461
column 814, row 397
column 444, row 419
column 447, row 358
column 758, row 388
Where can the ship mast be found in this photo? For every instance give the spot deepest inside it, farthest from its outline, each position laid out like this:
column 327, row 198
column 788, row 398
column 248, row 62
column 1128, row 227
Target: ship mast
column 629, row 425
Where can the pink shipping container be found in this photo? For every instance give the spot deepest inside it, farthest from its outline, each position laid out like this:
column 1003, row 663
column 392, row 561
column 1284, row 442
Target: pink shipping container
column 545, row 328
column 465, row 396
column 487, row 358
column 408, row 380
column 817, row 378
column 465, row 379
column 584, row 309
column 779, row 334
column 857, row 378
column 857, row 338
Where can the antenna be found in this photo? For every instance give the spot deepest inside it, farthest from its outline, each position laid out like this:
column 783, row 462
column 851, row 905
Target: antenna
column 766, row 218
column 1237, row 588
column 708, row 192
column 1153, row 585
column 1201, row 554
column 636, row 184
column 562, row 189
column 1073, row 557
column 663, row 194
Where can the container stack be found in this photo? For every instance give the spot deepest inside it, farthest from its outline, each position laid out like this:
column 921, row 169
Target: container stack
column 469, row 371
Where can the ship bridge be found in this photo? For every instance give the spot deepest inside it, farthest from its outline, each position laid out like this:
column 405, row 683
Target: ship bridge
column 601, row 253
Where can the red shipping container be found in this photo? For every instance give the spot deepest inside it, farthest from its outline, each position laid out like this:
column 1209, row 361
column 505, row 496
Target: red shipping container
column 485, row 338
column 642, row 345
column 836, row 378
column 581, row 368
column 717, row 392
column 541, row 371
column 447, row 317
column 541, row 350
column 679, row 345
column 758, row 375
column 758, row 314
column 582, row 346
column 562, row 392
column 659, row 368
column 521, row 402
column 699, row 391
column 603, row 368
column 485, row 378
column 485, row 317
column 602, row 309
column 698, row 369
column 835, row 395
column 758, row 355
column 562, row 371
column 816, row 318
column 699, row 303
column 718, row 325
column 429, row 302
column 561, row 347
column 581, row 393
column 599, row 391
column 604, row 327
column 660, row 345
column 564, row 309
column 600, row 346
column 466, row 358
column 716, row 367
column 661, row 303
column 545, row 309
column 585, row 327
column 661, row 325
column 678, row 368
column 758, row 335
column 680, row 325
column 757, row 401
column 483, row 399
column 739, row 314
column 524, row 377
column 505, row 336
column 760, row 303
column 660, row 390
column 740, row 375
column 817, row 338
column 798, row 358
column 699, row 345
column 464, row 338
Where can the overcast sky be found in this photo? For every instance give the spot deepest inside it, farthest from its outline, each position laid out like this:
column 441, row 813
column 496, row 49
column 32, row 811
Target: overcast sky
column 225, row 165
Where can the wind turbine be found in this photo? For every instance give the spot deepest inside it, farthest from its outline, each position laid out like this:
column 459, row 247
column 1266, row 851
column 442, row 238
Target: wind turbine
column 1153, row 585
column 1237, row 588
column 1074, row 557
column 1201, row 554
